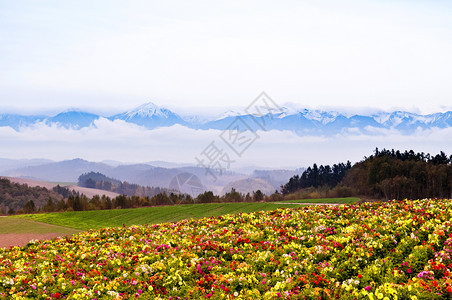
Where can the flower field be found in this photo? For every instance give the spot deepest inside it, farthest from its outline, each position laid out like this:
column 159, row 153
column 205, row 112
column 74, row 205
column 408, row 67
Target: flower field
column 392, row 250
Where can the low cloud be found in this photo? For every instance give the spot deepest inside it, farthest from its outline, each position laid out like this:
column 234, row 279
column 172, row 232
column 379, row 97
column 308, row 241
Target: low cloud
column 122, row 141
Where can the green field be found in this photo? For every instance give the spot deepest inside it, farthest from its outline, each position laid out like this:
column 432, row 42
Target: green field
column 347, row 200
column 85, row 220
column 22, row 225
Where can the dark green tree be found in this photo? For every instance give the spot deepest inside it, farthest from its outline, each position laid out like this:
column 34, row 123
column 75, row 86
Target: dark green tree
column 258, row 196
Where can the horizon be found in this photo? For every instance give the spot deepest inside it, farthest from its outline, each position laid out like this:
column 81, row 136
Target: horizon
column 213, row 111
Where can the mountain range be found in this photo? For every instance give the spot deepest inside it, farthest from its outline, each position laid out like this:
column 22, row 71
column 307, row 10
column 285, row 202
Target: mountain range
column 145, row 174
column 302, row 122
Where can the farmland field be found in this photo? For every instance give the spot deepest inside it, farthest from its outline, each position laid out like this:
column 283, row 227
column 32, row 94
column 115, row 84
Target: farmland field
column 15, row 231
column 16, row 225
column 392, row 250
column 86, row 220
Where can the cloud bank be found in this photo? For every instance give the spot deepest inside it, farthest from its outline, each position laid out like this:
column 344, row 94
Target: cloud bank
column 121, row 141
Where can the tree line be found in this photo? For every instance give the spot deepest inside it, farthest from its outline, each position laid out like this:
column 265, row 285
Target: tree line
column 81, row 202
column 395, row 175
column 17, row 198
column 323, row 176
column 386, row 174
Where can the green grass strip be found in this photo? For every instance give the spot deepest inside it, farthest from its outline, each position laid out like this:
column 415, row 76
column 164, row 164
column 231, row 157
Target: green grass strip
column 17, row 225
column 86, row 220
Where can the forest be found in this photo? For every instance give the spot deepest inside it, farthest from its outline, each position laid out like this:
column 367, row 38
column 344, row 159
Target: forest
column 15, row 197
column 315, row 177
column 392, row 174
column 386, row 174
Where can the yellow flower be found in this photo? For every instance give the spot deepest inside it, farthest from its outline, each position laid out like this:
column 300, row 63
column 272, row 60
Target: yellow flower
column 380, row 296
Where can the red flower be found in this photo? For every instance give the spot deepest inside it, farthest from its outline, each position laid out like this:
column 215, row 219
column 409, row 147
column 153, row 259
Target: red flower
column 57, row 295
column 360, row 276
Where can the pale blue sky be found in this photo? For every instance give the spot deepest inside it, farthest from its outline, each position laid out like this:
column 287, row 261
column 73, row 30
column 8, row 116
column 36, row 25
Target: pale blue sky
column 119, row 54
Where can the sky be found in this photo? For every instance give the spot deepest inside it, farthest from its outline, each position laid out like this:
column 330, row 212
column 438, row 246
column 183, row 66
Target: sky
column 110, row 55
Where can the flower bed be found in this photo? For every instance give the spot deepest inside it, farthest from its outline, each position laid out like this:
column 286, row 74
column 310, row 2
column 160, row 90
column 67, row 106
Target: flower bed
column 392, row 250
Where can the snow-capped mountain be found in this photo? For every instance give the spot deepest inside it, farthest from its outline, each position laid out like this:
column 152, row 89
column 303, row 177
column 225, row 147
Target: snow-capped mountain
column 442, row 120
column 150, row 116
column 229, row 113
column 406, row 121
column 195, row 121
column 320, row 116
column 16, row 121
column 73, row 119
column 302, row 121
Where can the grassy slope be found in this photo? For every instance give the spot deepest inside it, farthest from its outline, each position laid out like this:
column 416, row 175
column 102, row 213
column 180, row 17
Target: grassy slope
column 148, row 215
column 16, row 225
column 151, row 215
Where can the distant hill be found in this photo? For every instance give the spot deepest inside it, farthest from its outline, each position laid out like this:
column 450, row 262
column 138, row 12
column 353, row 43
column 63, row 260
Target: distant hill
column 275, row 178
column 250, row 185
column 95, row 180
column 67, row 171
column 10, row 164
column 89, row 192
column 143, row 174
